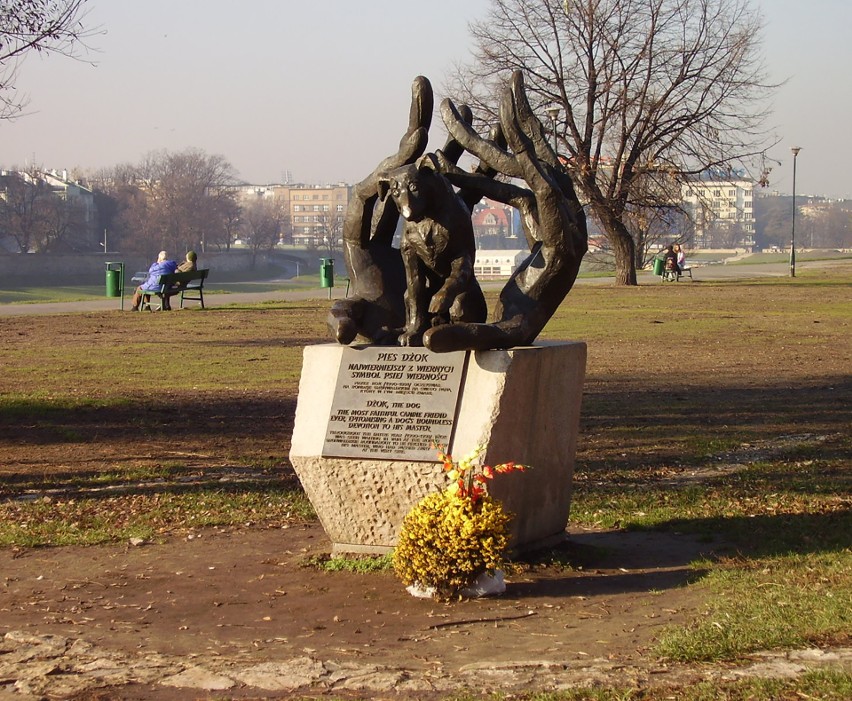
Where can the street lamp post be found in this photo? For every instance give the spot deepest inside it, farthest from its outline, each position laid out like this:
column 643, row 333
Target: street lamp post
column 795, row 150
column 553, row 113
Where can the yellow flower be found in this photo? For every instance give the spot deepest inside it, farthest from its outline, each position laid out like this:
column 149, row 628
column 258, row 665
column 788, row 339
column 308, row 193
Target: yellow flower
column 446, row 542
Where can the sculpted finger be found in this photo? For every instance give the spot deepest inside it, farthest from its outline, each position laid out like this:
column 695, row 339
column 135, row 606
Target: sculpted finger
column 422, row 105
column 515, row 138
column 528, row 122
column 413, row 143
column 465, row 135
column 453, row 150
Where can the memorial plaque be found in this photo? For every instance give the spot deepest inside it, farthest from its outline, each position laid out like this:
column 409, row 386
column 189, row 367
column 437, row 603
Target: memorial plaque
column 393, row 403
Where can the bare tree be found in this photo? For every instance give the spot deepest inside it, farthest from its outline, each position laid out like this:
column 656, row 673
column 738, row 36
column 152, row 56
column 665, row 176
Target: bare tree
column 723, row 234
column 111, row 189
column 819, row 224
column 261, row 225
column 330, row 225
column 225, row 221
column 835, row 229
column 38, row 218
column 286, row 227
column 44, row 26
column 20, row 217
column 654, row 216
column 63, row 225
column 179, row 201
column 647, row 89
column 652, row 228
column 188, row 188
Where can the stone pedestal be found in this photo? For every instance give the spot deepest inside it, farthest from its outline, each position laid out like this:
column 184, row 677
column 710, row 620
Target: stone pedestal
column 521, row 404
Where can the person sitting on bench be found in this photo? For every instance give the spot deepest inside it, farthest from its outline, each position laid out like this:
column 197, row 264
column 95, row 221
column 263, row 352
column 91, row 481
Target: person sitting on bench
column 162, row 266
column 188, row 266
column 681, row 257
column 670, row 257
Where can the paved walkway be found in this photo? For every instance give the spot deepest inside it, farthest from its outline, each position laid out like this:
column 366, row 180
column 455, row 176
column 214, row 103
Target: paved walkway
column 211, row 299
column 221, row 299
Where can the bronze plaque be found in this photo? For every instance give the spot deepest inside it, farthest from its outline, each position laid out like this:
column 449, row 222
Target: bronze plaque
column 393, row 403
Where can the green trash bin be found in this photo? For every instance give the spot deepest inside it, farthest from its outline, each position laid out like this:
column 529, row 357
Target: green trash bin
column 114, row 279
column 326, row 272
column 659, row 265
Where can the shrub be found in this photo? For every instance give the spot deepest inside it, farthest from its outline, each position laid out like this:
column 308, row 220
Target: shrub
column 452, row 537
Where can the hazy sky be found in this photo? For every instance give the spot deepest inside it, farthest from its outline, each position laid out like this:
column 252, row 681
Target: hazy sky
column 321, row 89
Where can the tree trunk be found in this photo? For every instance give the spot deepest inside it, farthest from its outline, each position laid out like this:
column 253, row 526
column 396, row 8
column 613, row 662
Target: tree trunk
column 640, row 248
column 625, row 262
column 623, row 248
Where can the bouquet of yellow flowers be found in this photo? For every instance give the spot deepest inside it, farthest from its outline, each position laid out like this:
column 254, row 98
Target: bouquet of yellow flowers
column 452, row 537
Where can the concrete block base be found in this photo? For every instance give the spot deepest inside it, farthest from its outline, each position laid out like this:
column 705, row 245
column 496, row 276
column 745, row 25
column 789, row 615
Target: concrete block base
column 521, row 404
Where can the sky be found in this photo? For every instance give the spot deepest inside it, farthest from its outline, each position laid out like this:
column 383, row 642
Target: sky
column 318, row 92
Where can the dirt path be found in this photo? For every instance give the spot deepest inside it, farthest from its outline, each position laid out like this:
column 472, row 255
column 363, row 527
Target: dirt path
column 226, row 601
column 239, row 611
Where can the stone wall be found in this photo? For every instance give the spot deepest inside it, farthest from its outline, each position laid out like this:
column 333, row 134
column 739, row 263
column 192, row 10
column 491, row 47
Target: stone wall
column 89, row 268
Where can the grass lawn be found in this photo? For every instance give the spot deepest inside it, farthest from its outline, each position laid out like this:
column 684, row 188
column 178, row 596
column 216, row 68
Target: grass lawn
column 721, row 410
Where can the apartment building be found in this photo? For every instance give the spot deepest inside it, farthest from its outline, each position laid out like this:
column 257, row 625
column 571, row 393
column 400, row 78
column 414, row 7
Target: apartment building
column 721, row 211
column 314, row 213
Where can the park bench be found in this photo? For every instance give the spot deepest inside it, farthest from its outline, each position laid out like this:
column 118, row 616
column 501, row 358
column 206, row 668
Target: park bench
column 190, row 287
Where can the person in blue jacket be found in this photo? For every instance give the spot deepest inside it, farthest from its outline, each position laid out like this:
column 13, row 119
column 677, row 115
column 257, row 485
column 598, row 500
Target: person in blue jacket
column 163, row 266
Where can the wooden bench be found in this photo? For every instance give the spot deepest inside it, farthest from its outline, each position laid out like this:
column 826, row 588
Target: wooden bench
column 686, row 270
column 190, row 287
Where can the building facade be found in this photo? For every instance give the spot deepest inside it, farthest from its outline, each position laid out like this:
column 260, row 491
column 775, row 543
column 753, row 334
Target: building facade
column 721, row 211
column 313, row 213
column 497, row 263
column 316, row 214
column 495, row 225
